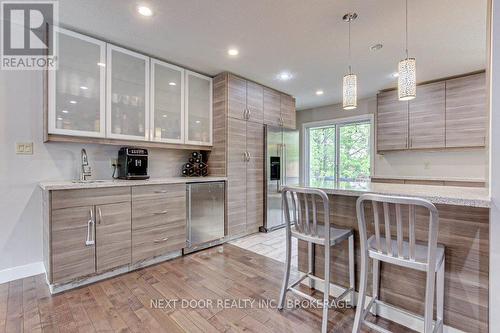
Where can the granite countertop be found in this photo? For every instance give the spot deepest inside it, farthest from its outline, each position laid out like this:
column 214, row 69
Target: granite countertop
column 71, row 184
column 448, row 195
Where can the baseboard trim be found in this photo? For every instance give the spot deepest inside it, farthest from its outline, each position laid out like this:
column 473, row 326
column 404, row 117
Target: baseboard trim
column 20, row 272
column 384, row 310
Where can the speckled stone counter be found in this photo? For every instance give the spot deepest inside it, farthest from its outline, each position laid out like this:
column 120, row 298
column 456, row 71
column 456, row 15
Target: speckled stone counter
column 73, row 185
column 447, row 195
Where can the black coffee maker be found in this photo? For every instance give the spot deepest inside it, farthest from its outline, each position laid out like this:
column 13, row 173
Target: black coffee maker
column 132, row 163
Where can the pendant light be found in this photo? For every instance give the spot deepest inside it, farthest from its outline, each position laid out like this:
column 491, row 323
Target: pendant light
column 350, row 82
column 407, row 68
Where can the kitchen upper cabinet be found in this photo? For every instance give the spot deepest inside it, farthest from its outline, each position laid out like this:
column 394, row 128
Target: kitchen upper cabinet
column 76, row 91
column 255, row 102
column 245, row 99
column 167, row 102
column 288, row 116
column 466, row 111
column 392, row 122
column 427, row 117
column 113, row 235
column 236, row 97
column 127, row 94
column 272, row 107
column 198, row 109
column 72, row 243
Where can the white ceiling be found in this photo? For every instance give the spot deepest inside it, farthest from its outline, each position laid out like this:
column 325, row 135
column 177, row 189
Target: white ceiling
column 305, row 37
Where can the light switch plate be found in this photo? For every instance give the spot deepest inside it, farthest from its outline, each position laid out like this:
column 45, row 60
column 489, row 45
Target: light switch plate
column 24, row 148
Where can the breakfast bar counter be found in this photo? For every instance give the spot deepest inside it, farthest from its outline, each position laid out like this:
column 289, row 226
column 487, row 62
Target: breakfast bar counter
column 463, row 230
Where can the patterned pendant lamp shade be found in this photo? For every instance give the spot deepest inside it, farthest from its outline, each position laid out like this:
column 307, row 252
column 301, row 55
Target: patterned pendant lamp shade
column 407, row 82
column 350, row 96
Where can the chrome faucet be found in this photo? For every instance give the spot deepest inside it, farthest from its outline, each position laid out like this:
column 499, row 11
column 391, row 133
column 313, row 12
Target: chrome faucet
column 86, row 170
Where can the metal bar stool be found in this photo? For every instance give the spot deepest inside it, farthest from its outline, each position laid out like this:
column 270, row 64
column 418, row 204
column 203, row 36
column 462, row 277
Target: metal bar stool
column 304, row 210
column 428, row 257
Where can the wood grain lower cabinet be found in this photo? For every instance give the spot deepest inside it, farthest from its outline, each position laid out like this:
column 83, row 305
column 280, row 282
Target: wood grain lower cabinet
column 245, row 185
column 71, row 256
column 159, row 224
column 392, row 122
column 113, row 236
column 427, row 117
column 466, row 111
column 255, row 177
column 237, row 177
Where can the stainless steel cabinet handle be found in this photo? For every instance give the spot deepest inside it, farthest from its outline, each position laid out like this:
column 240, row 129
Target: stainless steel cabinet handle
column 244, row 156
column 248, row 157
column 161, row 213
column 162, row 191
column 100, row 215
column 161, row 240
column 248, row 114
column 90, row 230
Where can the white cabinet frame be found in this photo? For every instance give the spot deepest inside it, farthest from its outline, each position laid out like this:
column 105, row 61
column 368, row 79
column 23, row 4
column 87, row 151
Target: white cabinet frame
column 52, row 129
column 109, row 65
column 153, row 63
column 186, row 122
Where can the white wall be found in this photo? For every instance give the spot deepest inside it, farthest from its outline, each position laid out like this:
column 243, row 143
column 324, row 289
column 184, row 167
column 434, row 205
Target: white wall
column 442, row 164
column 494, row 276
column 21, row 117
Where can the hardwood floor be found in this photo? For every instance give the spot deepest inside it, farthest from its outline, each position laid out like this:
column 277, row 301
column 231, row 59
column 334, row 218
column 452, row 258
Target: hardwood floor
column 269, row 244
column 124, row 303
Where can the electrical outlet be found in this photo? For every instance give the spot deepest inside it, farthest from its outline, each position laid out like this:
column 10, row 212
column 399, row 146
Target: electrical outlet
column 24, row 148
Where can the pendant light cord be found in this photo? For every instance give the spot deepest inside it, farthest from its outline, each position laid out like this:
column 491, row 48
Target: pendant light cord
column 406, row 33
column 350, row 19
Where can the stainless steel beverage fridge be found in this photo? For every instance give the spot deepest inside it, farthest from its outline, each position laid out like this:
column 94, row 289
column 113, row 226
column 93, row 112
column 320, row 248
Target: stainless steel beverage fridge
column 281, row 169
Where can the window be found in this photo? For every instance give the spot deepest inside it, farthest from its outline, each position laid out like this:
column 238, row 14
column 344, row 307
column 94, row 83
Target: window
column 338, row 150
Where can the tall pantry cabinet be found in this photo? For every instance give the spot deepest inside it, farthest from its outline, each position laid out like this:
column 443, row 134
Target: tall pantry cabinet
column 238, row 147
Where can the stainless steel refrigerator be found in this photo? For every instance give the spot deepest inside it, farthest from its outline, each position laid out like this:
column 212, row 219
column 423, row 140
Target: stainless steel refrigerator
column 281, row 169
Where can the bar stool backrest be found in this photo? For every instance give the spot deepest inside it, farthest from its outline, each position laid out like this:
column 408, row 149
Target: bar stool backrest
column 383, row 202
column 301, row 207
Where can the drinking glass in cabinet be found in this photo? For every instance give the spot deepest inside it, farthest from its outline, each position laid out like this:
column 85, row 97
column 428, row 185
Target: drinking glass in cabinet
column 128, row 85
column 199, row 109
column 167, row 100
column 76, row 88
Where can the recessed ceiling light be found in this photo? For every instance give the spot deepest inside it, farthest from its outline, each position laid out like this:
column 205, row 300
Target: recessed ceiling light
column 172, row 84
column 59, row 118
column 72, row 102
column 395, row 74
column 319, row 92
column 284, row 76
column 84, row 88
column 101, row 64
column 164, row 116
column 64, row 111
column 197, row 121
column 145, row 11
column 376, row 47
column 233, row 52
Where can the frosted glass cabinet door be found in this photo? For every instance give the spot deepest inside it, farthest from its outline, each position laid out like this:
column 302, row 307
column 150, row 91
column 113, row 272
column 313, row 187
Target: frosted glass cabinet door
column 127, row 112
column 167, row 102
column 77, row 88
column 198, row 109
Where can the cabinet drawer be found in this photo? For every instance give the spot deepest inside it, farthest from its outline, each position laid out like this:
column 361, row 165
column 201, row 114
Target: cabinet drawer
column 159, row 240
column 150, row 213
column 150, row 192
column 89, row 197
